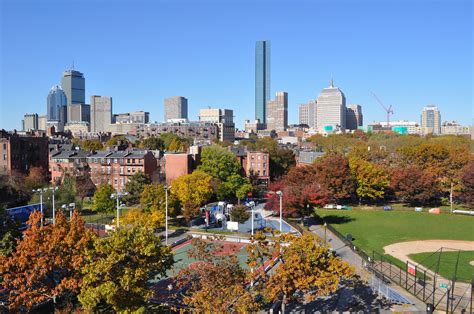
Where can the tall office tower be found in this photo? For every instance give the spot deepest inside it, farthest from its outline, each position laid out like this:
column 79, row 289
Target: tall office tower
column 262, row 79
column 74, row 86
column 30, row 122
column 56, row 105
column 176, row 108
column 79, row 113
column 354, row 117
column 101, row 113
column 307, row 114
column 42, row 120
column 331, row 109
column 431, row 120
column 277, row 112
column 224, row 118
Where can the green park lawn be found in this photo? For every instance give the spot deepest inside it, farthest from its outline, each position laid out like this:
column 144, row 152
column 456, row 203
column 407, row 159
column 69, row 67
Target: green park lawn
column 372, row 230
column 447, row 263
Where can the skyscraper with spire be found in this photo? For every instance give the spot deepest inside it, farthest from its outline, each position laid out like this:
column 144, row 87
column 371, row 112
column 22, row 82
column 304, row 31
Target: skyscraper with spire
column 262, row 79
column 331, row 109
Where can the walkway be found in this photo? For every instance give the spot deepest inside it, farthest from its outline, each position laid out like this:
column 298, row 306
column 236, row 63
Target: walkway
column 356, row 261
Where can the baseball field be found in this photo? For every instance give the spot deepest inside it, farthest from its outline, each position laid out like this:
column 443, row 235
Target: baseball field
column 402, row 235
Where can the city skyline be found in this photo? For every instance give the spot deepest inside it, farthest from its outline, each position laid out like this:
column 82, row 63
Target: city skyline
column 410, row 77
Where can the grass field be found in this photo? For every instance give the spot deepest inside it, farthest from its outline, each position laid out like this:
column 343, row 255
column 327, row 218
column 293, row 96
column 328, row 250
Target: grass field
column 374, row 229
column 447, row 263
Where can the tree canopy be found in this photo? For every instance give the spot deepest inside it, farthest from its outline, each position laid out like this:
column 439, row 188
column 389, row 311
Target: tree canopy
column 102, row 199
column 117, row 269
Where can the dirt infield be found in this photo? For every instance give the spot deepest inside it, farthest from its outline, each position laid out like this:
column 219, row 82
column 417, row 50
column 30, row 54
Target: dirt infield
column 401, row 250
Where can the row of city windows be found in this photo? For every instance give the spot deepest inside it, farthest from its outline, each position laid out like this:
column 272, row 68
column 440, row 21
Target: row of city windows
column 258, row 157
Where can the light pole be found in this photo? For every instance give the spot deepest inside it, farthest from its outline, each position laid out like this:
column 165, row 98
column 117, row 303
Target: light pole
column 280, row 194
column 166, row 213
column 253, row 215
column 117, row 196
column 41, row 191
column 69, row 208
column 53, row 190
column 325, row 228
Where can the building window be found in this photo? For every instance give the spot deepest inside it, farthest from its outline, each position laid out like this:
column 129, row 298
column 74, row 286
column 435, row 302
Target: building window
column 121, row 170
column 252, row 165
column 5, row 146
column 258, row 157
column 264, row 172
column 115, row 160
column 264, row 157
column 121, row 181
column 4, row 156
column 115, row 181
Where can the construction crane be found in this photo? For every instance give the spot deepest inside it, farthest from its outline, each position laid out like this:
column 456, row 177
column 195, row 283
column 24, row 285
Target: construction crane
column 388, row 110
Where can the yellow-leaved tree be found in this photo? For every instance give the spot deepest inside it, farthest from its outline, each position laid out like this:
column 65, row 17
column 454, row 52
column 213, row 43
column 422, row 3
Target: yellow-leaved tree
column 192, row 190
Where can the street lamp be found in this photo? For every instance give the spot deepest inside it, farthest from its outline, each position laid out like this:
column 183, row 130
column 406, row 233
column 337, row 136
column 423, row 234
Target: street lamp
column 117, row 196
column 166, row 213
column 280, row 194
column 253, row 214
column 41, row 191
column 69, row 208
column 53, row 190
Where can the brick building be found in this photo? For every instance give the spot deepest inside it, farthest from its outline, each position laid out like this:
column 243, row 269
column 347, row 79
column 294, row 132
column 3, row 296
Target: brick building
column 257, row 165
column 178, row 164
column 64, row 163
column 116, row 167
column 20, row 153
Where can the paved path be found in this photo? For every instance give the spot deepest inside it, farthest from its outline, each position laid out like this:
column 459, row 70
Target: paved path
column 347, row 254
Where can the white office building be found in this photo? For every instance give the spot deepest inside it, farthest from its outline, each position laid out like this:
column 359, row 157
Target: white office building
column 331, row 110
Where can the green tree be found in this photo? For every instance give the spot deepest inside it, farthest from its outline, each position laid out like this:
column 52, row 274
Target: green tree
column 102, row 199
column 240, row 214
column 118, row 140
column 154, row 143
column 235, row 187
column 219, row 163
column 134, row 187
column 90, row 145
column 9, row 234
column 192, row 190
column 118, row 268
column 153, row 198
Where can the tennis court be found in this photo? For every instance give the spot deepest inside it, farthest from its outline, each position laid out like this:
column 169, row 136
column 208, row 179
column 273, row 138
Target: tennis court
column 223, row 248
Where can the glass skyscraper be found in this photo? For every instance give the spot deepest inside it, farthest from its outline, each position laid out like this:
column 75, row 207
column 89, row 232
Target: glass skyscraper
column 262, row 79
column 56, row 104
column 74, row 86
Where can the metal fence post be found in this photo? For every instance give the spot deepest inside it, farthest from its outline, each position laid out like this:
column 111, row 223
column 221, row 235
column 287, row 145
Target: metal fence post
column 424, row 284
column 406, row 276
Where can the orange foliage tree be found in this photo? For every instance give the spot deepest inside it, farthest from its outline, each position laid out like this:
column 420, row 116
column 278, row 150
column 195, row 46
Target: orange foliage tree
column 46, row 262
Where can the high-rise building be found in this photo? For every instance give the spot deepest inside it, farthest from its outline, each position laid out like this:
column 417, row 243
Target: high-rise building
column 331, row 110
column 56, row 108
column 30, row 122
column 224, row 118
column 42, row 120
column 262, row 79
column 307, row 114
column 176, row 108
column 354, row 117
column 277, row 112
column 101, row 113
column 74, row 86
column 431, row 120
column 79, row 113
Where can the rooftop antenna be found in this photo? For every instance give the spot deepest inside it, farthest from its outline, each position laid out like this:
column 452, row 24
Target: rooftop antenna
column 389, row 110
column 73, row 65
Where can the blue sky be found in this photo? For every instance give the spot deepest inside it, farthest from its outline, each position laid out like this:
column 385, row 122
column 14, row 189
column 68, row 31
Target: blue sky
column 410, row 53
